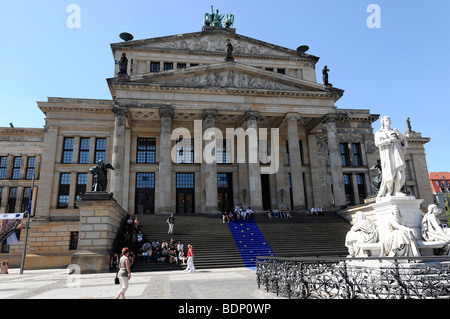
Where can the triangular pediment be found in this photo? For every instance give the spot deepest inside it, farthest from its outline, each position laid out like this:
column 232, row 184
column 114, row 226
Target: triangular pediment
column 227, row 75
column 212, row 42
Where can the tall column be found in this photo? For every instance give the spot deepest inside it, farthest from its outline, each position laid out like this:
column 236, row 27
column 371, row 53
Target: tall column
column 335, row 163
column 118, row 154
column 254, row 169
column 47, row 173
column 210, row 168
column 298, row 193
column 165, row 161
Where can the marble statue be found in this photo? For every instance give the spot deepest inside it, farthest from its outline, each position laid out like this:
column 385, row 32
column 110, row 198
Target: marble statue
column 432, row 231
column 363, row 231
column 392, row 145
column 100, row 172
column 325, row 75
column 123, row 64
column 399, row 241
column 229, row 51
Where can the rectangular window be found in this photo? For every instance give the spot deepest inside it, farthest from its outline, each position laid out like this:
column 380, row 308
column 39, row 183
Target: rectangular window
column 31, row 162
column 300, row 142
column 360, row 180
column 343, row 148
column 288, row 159
column 63, row 193
column 81, row 186
column 145, row 193
column 357, row 159
column 16, row 167
column 185, row 151
column 73, row 240
column 223, row 180
column 168, row 66
column 223, row 151
column 100, row 149
column 67, row 150
column 348, row 189
column 11, row 205
column 3, row 163
column 145, row 180
column 154, row 66
column 181, row 65
column 83, row 157
column 26, row 199
column 146, row 151
column 185, row 193
column 328, row 156
column 290, row 191
column 185, row 180
column 281, row 71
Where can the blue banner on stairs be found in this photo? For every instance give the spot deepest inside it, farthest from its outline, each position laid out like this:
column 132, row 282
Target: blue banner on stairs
column 249, row 241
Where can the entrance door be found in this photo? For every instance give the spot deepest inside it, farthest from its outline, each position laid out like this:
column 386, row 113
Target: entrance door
column 265, row 190
column 145, row 193
column 185, row 193
column 225, row 192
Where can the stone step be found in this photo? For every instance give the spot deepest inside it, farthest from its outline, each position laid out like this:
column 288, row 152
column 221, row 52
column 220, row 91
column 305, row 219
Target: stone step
column 216, row 245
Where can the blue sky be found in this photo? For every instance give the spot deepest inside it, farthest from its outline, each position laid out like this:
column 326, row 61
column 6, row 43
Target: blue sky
column 400, row 69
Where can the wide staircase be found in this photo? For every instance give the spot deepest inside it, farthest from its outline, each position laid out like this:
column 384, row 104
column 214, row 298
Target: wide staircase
column 238, row 243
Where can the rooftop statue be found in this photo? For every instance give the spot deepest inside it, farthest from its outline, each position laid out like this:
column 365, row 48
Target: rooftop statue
column 215, row 19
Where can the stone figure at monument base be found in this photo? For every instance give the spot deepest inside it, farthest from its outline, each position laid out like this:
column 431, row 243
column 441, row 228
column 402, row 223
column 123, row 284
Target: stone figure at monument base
column 400, row 240
column 363, row 231
column 392, row 145
column 432, row 231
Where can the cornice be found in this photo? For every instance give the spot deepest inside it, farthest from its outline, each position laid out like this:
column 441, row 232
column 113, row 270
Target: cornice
column 228, row 91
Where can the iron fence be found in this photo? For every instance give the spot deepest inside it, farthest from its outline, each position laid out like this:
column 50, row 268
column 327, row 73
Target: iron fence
column 355, row 278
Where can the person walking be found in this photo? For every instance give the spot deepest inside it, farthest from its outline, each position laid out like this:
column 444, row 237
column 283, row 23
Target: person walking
column 190, row 262
column 124, row 272
column 170, row 221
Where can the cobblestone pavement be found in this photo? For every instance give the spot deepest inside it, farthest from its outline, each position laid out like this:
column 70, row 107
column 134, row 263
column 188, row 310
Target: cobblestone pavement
column 228, row 283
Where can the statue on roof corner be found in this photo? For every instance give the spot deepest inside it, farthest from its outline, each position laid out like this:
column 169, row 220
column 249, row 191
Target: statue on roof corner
column 215, row 19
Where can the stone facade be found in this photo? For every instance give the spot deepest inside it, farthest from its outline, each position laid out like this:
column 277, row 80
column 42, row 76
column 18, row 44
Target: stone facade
column 182, row 83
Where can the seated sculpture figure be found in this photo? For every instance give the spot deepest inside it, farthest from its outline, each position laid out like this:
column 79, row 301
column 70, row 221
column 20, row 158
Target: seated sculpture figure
column 363, row 231
column 400, row 240
column 432, row 231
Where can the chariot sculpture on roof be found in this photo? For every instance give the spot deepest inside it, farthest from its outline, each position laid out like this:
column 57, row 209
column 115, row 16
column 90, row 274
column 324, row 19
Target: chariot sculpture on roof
column 215, row 19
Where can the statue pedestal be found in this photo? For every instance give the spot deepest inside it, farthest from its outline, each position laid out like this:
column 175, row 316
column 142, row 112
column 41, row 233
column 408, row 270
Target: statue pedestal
column 100, row 221
column 410, row 213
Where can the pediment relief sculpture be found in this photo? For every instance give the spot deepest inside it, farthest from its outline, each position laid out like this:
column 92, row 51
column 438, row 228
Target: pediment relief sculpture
column 217, row 43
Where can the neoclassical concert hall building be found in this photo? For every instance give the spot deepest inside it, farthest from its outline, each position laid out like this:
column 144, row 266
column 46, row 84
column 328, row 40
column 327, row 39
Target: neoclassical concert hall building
column 315, row 154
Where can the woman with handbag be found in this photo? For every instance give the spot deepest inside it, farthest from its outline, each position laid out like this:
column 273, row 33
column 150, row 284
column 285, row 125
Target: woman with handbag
column 190, row 262
column 124, row 273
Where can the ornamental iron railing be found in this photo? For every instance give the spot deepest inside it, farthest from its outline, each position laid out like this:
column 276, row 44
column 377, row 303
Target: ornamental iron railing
column 355, row 278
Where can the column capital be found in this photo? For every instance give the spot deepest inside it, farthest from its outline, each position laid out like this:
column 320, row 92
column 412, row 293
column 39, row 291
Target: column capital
column 119, row 111
column 292, row 116
column 251, row 115
column 333, row 118
column 166, row 111
column 209, row 113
